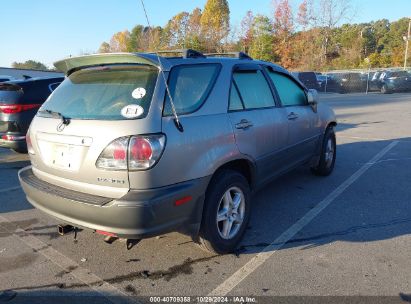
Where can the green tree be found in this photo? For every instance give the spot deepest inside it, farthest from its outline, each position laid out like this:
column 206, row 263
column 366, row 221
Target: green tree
column 215, row 24
column 134, row 42
column 29, row 64
column 194, row 40
column 263, row 39
column 177, row 30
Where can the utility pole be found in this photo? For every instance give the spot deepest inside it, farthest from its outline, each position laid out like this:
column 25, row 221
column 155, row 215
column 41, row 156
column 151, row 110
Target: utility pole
column 407, row 39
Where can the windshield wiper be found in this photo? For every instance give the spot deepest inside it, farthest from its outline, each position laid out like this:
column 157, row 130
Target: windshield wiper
column 64, row 119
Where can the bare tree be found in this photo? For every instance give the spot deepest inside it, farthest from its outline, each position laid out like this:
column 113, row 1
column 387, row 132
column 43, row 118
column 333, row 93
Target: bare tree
column 330, row 14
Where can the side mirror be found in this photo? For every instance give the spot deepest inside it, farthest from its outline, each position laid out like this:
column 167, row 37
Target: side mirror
column 312, row 98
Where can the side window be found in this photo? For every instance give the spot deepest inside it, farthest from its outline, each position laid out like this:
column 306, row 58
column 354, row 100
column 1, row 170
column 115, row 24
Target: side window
column 254, row 89
column 189, row 87
column 291, row 94
column 235, row 100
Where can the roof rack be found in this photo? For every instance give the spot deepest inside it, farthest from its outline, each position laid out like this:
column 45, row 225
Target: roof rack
column 239, row 55
column 185, row 53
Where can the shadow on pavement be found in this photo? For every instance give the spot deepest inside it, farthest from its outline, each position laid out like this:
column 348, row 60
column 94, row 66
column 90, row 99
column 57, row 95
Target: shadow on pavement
column 375, row 207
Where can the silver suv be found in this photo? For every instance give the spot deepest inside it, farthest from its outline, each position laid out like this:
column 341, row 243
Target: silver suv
column 137, row 145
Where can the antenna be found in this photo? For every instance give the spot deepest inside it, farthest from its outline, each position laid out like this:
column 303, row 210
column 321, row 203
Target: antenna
column 173, row 108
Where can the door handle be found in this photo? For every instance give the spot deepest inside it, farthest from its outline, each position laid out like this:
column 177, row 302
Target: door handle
column 292, row 116
column 244, row 124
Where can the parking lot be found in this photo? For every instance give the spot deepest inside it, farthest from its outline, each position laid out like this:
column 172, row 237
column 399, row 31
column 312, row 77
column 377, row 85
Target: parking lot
column 344, row 235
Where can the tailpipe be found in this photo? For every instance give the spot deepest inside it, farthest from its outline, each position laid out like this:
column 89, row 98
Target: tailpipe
column 64, row 229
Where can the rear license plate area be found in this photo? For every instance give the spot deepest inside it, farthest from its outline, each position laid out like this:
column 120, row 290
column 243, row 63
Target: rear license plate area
column 63, row 157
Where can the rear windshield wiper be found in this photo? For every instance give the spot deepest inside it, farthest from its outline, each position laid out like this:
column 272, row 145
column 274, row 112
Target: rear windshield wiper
column 65, row 119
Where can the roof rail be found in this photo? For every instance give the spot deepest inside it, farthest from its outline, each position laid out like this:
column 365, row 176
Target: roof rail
column 239, row 55
column 185, row 53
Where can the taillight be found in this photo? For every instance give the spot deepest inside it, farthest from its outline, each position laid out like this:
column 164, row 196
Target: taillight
column 17, row 108
column 12, row 137
column 29, row 144
column 114, row 156
column 139, row 152
column 145, row 151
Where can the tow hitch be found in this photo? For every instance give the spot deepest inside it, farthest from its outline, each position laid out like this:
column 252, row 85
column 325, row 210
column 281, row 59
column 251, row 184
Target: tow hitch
column 64, row 229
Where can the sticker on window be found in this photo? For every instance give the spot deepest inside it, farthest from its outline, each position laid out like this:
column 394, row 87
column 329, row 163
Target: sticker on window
column 132, row 111
column 138, row 93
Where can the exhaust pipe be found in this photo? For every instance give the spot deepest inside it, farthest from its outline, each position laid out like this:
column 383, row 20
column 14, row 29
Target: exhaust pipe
column 64, row 229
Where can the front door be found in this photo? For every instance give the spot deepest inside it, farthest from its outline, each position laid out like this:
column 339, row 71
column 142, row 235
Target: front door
column 303, row 122
column 260, row 127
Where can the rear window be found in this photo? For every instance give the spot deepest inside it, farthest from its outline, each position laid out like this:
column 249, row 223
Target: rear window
column 10, row 93
column 115, row 92
column 307, row 76
column 189, row 87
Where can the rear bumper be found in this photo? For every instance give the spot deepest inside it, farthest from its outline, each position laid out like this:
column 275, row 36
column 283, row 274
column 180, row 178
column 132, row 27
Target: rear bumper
column 139, row 214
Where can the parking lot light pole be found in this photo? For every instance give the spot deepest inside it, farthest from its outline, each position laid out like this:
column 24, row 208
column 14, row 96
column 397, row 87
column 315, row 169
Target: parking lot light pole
column 407, row 39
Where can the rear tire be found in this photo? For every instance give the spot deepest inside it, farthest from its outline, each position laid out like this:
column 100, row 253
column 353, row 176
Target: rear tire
column 226, row 212
column 328, row 154
column 384, row 90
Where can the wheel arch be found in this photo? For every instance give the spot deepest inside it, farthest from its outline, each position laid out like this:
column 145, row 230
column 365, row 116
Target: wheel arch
column 332, row 124
column 242, row 165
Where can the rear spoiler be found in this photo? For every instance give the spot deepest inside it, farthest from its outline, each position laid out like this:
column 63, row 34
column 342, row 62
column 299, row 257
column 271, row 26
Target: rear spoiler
column 68, row 65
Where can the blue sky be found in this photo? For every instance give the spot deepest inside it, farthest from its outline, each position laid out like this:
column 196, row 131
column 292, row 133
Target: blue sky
column 48, row 30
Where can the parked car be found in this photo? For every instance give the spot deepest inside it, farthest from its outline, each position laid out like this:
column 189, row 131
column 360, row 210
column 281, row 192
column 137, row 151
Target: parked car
column 327, row 83
column 349, row 83
column 116, row 152
column 374, row 81
column 309, row 79
column 394, row 81
column 19, row 102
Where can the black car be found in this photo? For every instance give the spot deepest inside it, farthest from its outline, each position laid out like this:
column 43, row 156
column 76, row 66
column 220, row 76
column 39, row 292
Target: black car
column 349, row 83
column 327, row 83
column 394, row 81
column 19, row 102
column 374, row 81
column 309, row 79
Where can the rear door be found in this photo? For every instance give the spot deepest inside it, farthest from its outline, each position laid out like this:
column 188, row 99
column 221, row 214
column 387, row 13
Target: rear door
column 260, row 127
column 303, row 122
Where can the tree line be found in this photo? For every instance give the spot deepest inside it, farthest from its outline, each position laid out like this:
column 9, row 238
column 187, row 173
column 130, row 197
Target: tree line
column 309, row 38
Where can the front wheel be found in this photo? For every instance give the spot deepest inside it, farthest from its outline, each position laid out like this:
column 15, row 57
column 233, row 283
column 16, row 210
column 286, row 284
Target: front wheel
column 226, row 212
column 328, row 154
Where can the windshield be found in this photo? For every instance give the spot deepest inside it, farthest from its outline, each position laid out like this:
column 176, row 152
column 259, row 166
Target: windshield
column 114, row 92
